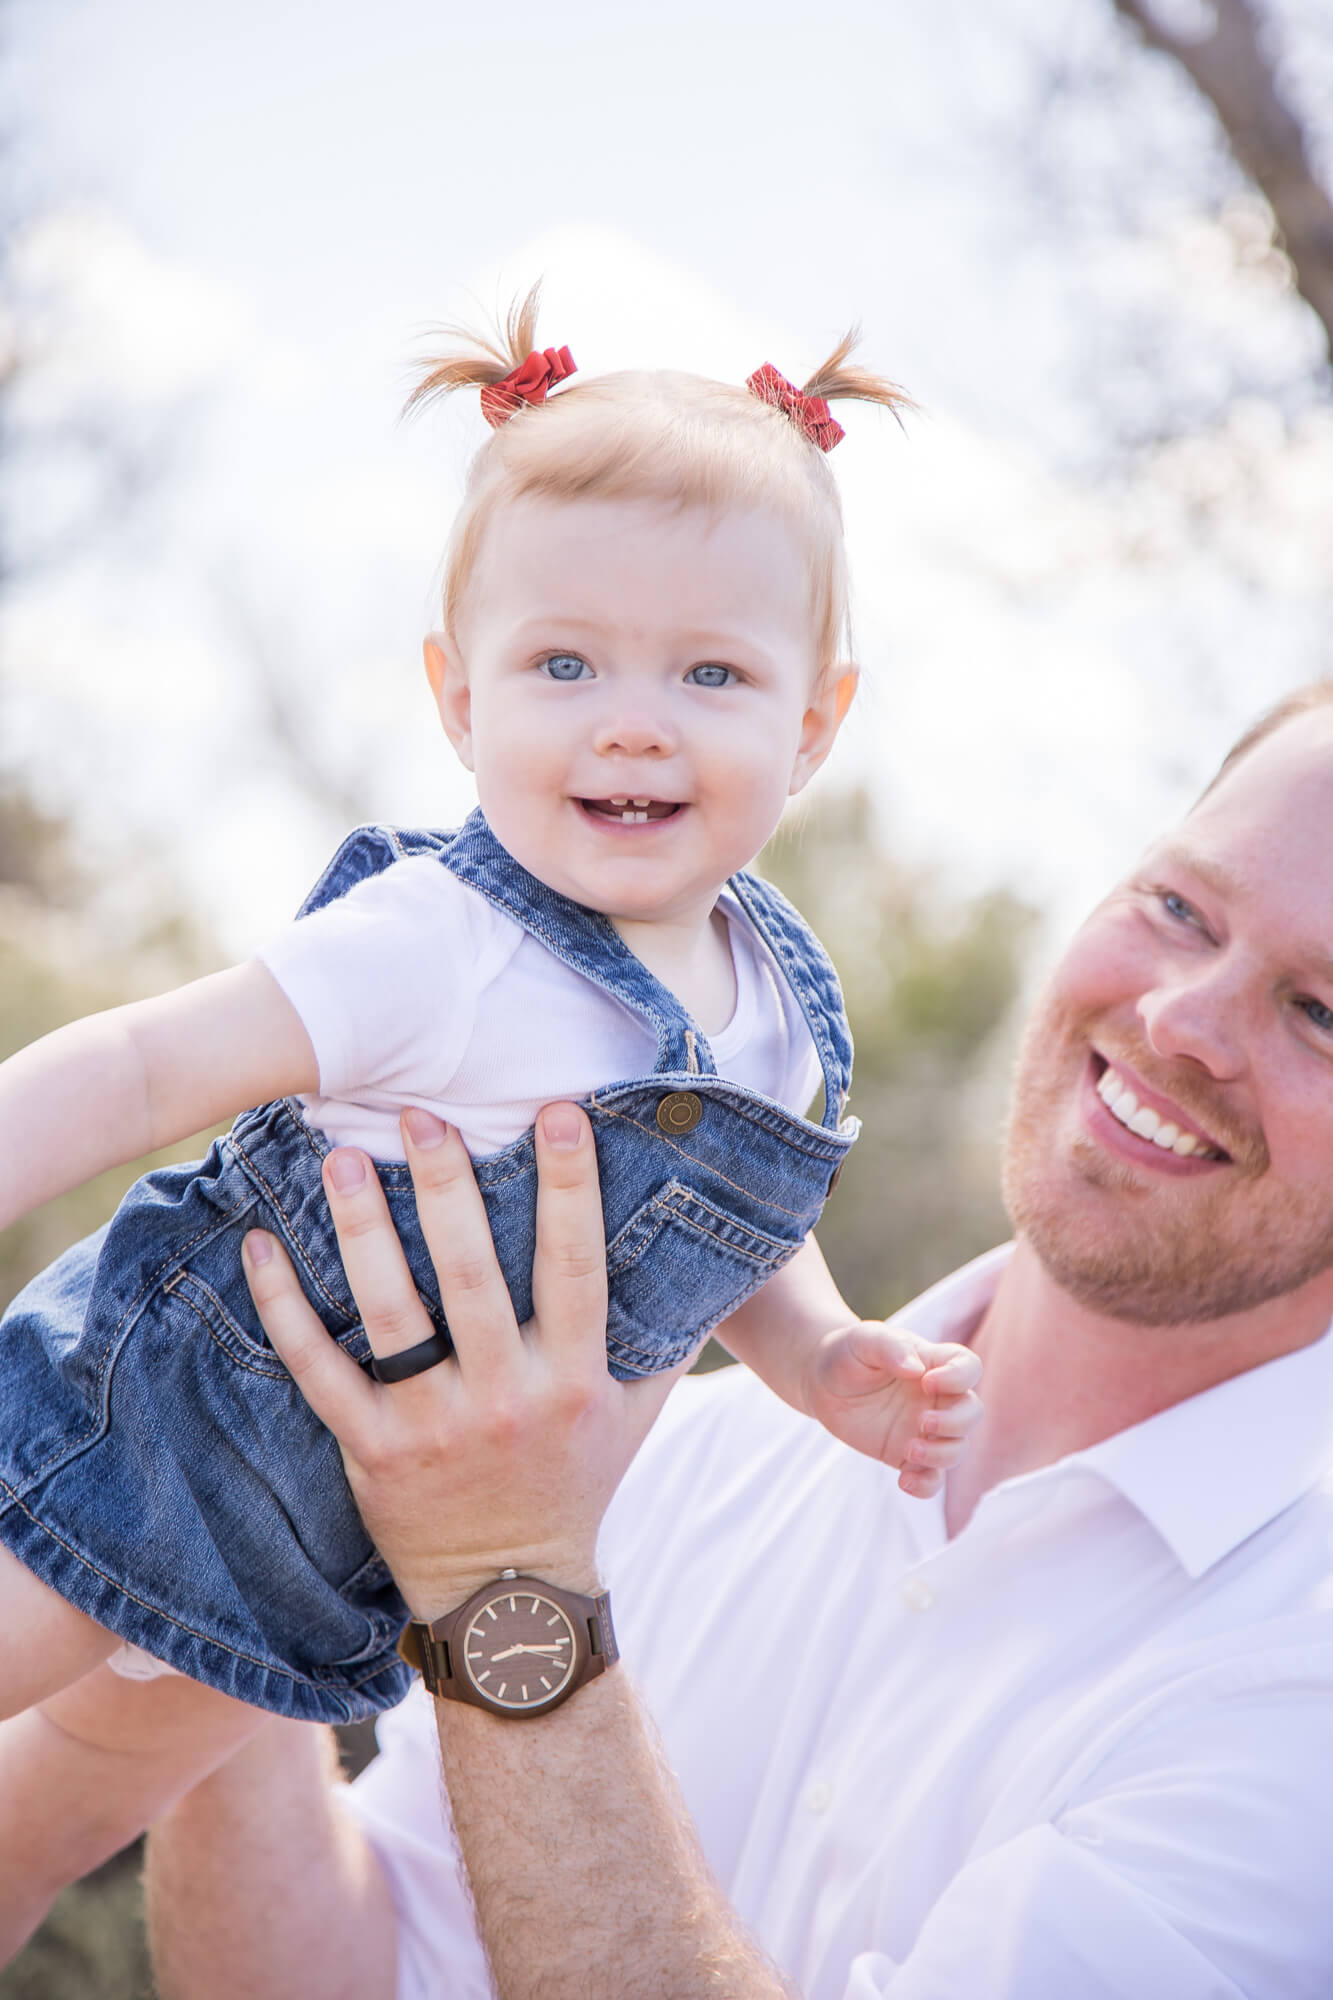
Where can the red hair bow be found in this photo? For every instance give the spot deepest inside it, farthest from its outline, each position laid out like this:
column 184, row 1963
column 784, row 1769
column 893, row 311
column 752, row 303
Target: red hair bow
column 528, row 383
column 810, row 414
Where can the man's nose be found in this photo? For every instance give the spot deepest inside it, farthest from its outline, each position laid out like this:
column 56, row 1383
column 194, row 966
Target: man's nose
column 1199, row 1019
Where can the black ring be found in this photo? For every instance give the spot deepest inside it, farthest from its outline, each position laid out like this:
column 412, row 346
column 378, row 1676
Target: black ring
column 412, row 1360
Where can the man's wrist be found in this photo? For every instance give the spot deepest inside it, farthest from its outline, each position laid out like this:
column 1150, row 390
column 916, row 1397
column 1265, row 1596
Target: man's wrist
column 449, row 1585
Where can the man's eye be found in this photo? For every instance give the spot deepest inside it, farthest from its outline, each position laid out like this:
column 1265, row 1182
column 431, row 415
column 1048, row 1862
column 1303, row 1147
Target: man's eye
column 1176, row 906
column 710, row 676
column 1320, row 1014
column 565, row 667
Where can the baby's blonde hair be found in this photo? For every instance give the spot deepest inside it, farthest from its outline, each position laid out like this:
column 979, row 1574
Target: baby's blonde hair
column 658, row 435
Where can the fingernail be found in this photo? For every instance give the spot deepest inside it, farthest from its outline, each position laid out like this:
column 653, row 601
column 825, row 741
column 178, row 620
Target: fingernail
column 561, row 1127
column 257, row 1247
column 346, row 1169
column 423, row 1130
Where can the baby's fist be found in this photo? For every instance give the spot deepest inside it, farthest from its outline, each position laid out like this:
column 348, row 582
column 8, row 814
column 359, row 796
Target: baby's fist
column 908, row 1402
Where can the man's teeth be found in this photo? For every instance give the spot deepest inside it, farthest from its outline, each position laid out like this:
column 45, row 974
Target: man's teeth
column 1141, row 1119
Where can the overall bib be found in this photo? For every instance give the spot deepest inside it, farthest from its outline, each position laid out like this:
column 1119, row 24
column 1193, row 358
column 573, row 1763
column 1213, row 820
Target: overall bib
column 159, row 1468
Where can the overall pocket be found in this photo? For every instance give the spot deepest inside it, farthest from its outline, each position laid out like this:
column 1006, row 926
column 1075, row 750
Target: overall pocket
column 678, row 1266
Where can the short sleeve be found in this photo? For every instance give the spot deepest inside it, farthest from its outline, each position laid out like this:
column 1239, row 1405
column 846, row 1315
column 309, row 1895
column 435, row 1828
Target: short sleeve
column 386, row 979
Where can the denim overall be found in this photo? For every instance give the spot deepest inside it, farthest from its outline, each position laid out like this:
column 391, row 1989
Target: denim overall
column 158, row 1467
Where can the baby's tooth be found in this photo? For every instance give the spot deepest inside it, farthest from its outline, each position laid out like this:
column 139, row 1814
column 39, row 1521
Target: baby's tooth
column 1108, row 1083
column 1144, row 1122
column 640, row 802
column 1165, row 1136
column 1185, row 1145
column 1124, row 1106
column 639, row 818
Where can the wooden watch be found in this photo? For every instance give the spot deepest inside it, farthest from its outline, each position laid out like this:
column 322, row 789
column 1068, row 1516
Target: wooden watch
column 518, row 1646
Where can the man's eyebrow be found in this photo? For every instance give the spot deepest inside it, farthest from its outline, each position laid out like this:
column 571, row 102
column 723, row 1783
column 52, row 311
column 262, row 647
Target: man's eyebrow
column 1211, row 873
column 1317, row 961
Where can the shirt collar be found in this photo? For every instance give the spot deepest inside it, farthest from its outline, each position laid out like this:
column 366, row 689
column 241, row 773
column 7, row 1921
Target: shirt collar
column 1208, row 1472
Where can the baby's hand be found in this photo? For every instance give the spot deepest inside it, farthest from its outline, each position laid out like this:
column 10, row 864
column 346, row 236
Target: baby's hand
column 908, row 1402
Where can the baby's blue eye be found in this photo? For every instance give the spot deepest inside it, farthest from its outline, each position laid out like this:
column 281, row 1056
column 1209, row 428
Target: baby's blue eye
column 710, row 676
column 565, row 667
column 1320, row 1015
column 1176, row 906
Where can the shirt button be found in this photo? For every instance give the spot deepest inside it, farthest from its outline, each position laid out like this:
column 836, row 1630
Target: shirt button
column 679, row 1112
column 820, row 1796
column 917, row 1594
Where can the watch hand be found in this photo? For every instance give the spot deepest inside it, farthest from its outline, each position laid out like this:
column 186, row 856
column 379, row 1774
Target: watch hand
column 509, row 1651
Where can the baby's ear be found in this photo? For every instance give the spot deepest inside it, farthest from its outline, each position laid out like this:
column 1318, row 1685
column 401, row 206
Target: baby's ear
column 822, row 720
column 453, row 697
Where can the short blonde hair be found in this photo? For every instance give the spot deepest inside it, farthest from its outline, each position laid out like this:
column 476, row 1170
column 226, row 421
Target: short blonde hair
column 1301, row 701
column 658, row 435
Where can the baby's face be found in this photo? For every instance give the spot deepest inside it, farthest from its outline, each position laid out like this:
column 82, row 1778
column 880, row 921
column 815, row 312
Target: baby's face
column 634, row 686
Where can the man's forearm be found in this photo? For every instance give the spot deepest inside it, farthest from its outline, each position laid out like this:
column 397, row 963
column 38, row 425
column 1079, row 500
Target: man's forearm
column 258, row 1884
column 585, row 1868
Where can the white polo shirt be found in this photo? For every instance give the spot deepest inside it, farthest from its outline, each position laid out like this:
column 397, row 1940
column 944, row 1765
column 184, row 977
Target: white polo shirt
column 1083, row 1749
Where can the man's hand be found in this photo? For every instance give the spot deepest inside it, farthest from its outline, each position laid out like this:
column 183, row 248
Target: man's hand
column 506, row 1454
column 904, row 1401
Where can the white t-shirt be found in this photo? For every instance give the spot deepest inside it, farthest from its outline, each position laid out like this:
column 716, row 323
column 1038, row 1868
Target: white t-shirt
column 1082, row 1750
column 414, row 989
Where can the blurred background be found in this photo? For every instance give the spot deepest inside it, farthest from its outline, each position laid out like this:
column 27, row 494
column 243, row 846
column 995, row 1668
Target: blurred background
column 1094, row 239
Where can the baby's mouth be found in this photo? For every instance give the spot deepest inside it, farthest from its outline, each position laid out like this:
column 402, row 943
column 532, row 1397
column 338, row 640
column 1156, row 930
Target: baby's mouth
column 632, row 812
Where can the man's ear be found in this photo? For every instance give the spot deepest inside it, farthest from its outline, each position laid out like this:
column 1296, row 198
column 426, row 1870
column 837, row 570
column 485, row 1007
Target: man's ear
column 453, row 697
column 821, row 722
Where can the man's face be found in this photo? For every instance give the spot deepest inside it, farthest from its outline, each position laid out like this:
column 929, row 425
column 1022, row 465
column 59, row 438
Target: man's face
column 1201, row 992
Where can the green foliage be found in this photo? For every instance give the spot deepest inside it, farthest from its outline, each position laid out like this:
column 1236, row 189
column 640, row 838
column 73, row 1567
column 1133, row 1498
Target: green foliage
column 930, row 985
column 92, row 1945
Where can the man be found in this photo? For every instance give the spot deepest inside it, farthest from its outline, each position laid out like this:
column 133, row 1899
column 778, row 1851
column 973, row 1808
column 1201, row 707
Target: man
column 1064, row 1732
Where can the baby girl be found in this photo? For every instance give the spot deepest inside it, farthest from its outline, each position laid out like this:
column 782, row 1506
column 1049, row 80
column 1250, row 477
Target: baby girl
column 641, row 658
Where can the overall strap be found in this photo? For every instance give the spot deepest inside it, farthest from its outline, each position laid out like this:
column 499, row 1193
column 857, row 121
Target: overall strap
column 367, row 851
column 810, row 973
column 584, row 939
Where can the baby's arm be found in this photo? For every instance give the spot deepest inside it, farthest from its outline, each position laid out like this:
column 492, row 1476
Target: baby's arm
column 908, row 1402
column 115, row 1086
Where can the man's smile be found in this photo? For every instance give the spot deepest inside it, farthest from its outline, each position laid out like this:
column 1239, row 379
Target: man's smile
column 1126, row 1117
column 1161, row 1124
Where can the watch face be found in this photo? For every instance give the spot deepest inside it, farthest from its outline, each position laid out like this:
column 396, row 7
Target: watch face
column 520, row 1650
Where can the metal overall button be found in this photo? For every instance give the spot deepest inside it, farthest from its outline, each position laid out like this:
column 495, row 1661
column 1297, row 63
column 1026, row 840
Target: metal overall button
column 679, row 1112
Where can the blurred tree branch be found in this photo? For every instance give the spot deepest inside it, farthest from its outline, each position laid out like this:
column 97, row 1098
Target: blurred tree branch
column 1233, row 71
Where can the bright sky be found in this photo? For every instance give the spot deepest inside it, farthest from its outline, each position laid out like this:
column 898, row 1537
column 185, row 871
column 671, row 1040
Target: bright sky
column 244, row 218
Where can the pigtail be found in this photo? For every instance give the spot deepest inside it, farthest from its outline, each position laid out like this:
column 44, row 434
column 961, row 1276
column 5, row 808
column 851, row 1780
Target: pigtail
column 483, row 357
column 837, row 380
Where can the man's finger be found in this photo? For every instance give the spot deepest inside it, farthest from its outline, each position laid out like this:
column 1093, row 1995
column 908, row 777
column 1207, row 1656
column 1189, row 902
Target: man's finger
column 381, row 1284
column 569, row 1273
column 453, row 1221
column 330, row 1380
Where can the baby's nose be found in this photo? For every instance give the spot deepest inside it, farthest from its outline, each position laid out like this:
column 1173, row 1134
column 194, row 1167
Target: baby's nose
column 635, row 730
